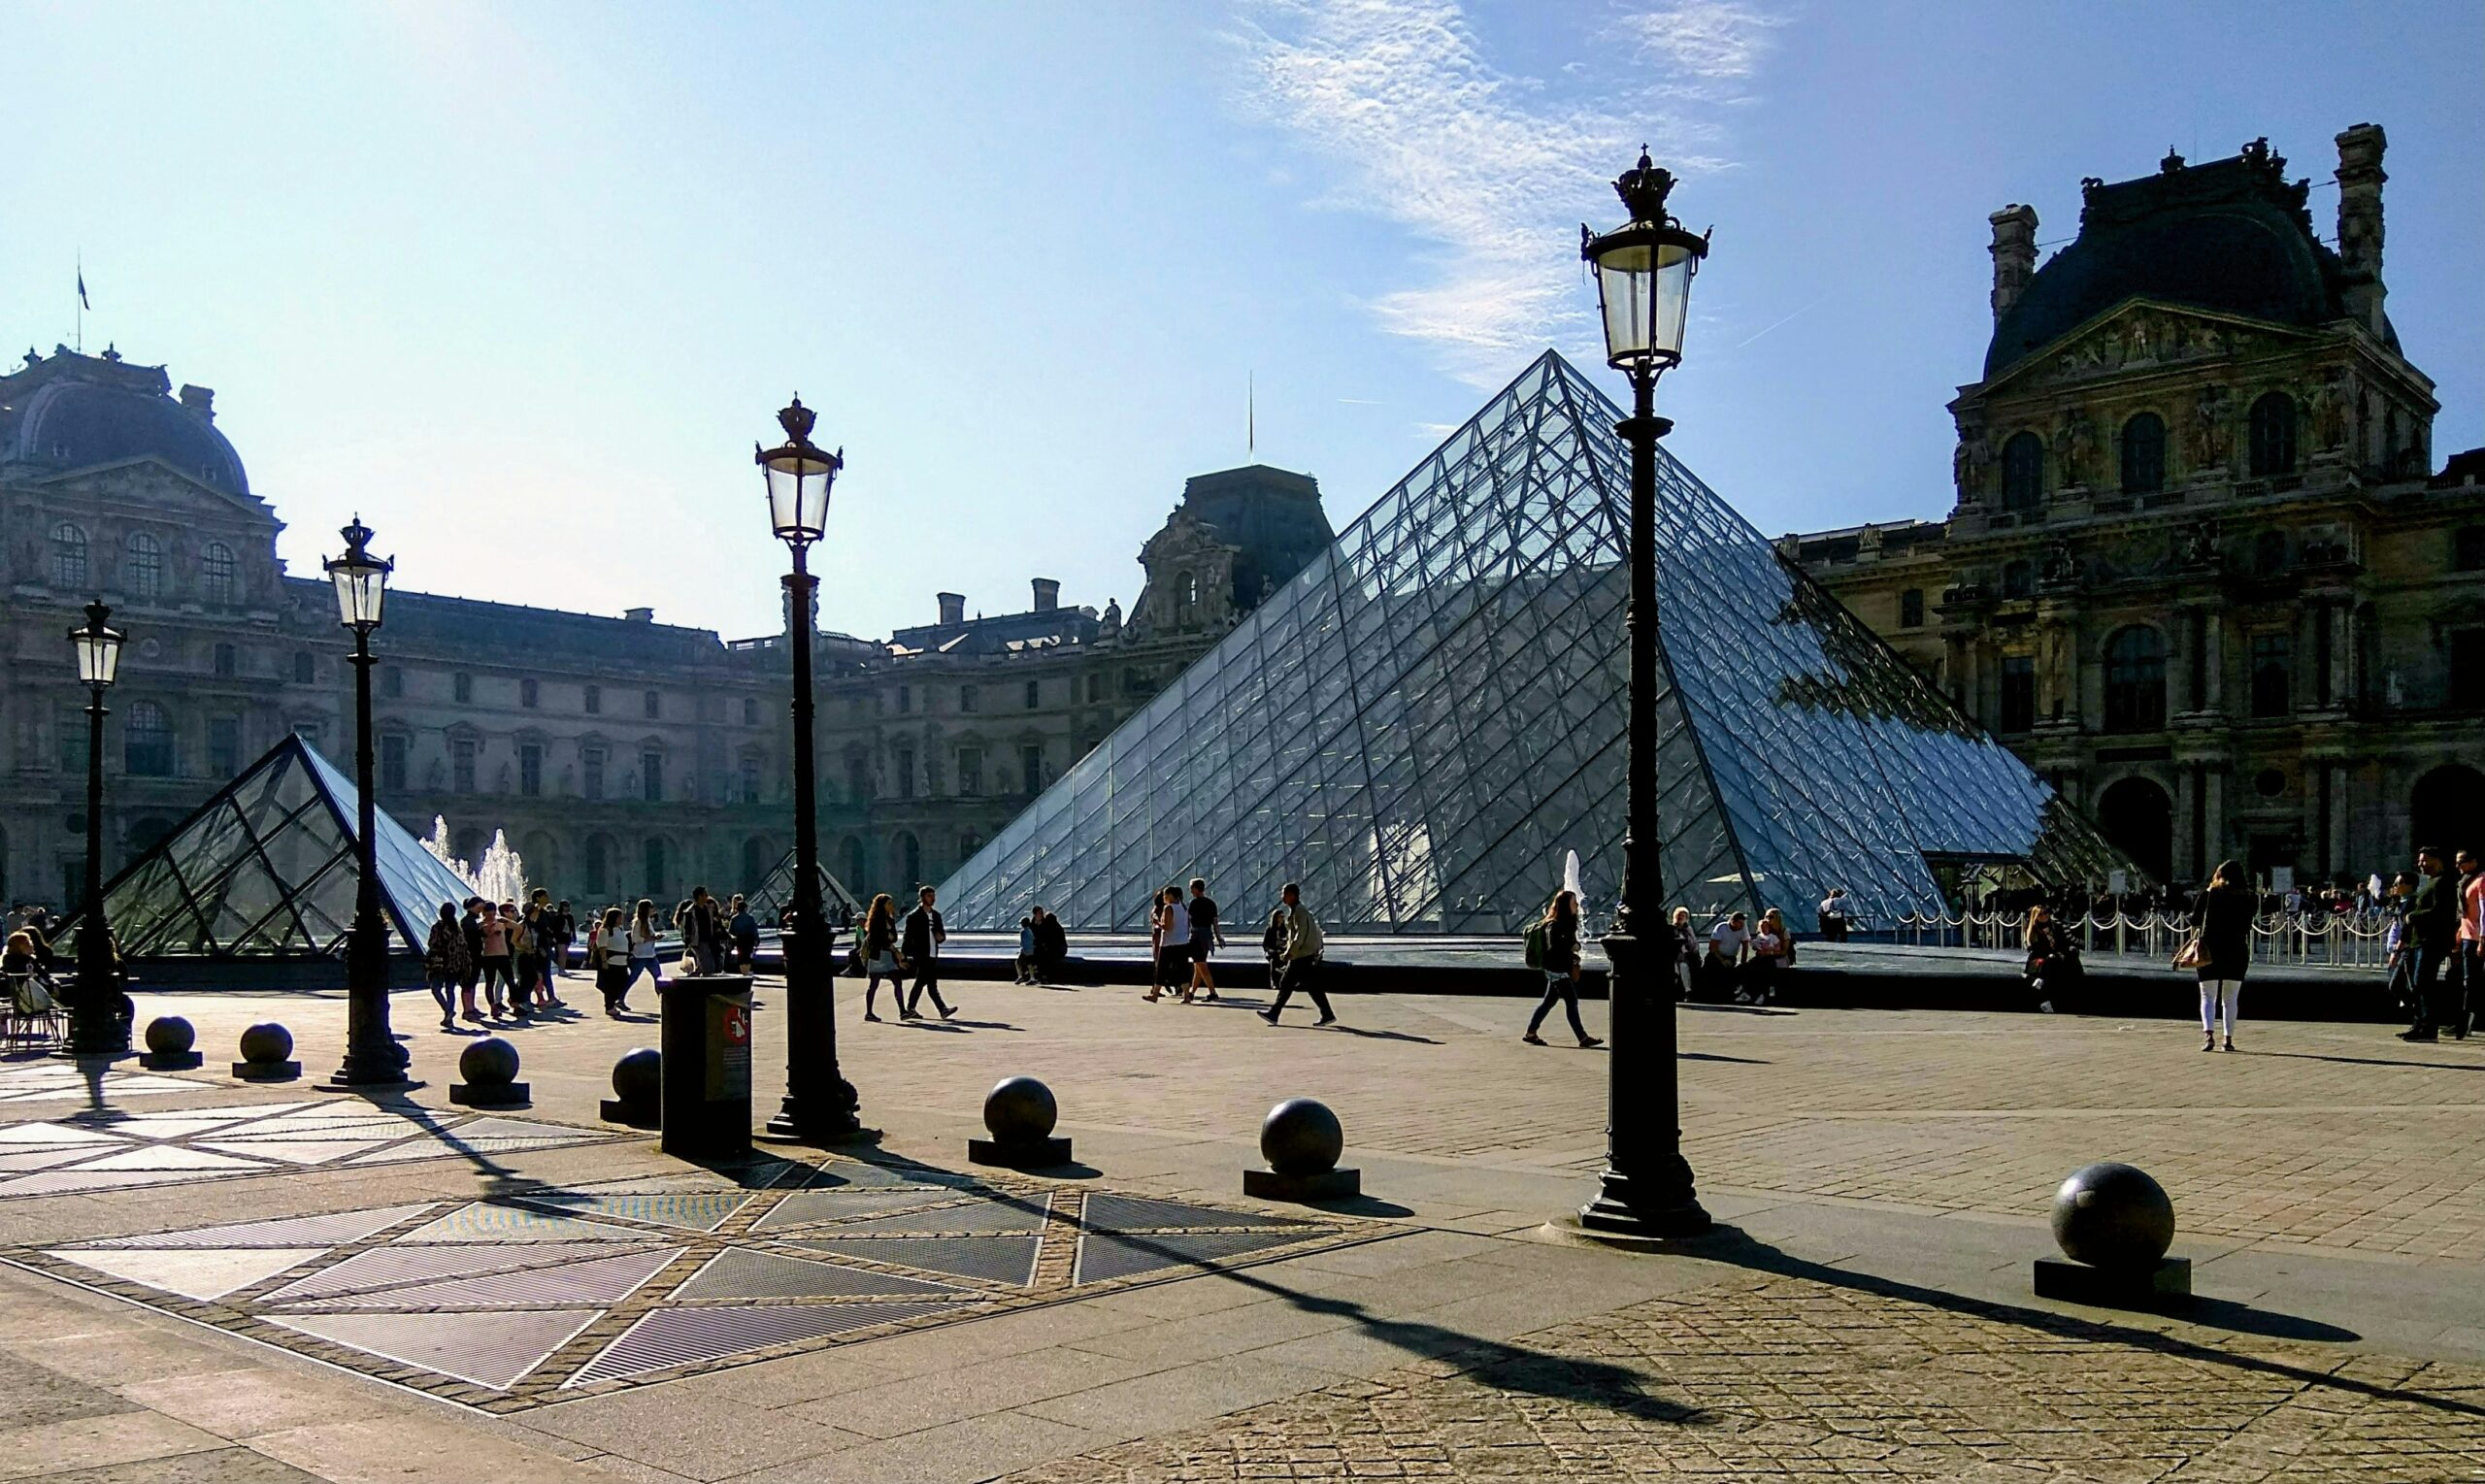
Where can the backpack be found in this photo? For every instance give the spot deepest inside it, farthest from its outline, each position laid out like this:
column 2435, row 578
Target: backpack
column 1538, row 941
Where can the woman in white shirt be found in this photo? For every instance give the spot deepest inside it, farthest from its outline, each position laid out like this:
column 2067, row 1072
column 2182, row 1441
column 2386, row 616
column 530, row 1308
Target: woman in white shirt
column 612, row 949
column 643, row 938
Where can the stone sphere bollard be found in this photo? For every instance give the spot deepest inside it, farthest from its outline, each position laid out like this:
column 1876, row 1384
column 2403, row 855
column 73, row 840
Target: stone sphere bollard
column 1301, row 1136
column 172, row 1043
column 2114, row 1223
column 2110, row 1215
column 490, row 1068
column 1020, row 1112
column 637, row 1089
column 267, row 1054
column 1302, row 1140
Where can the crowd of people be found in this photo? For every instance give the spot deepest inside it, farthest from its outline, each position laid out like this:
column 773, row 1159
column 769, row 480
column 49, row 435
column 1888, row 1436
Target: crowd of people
column 497, row 962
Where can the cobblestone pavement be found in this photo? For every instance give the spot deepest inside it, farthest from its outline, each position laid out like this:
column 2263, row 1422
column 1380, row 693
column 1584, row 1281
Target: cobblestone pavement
column 1791, row 1379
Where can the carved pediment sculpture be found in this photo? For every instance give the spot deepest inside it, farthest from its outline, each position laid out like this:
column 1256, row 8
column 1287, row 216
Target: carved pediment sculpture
column 2199, row 547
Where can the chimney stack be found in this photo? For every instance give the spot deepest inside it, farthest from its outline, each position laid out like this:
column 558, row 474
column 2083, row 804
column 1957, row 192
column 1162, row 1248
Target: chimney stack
column 1048, row 595
column 638, row 615
column 953, row 606
column 2014, row 256
column 200, row 400
column 2360, row 180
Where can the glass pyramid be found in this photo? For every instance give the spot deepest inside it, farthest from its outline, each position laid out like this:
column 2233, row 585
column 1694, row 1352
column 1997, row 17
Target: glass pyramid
column 768, row 904
column 1425, row 721
column 267, row 868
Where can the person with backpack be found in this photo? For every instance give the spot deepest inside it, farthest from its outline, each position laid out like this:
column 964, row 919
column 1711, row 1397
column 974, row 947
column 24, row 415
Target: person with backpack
column 445, row 965
column 1302, row 948
column 745, row 929
column 1553, row 947
column 881, row 960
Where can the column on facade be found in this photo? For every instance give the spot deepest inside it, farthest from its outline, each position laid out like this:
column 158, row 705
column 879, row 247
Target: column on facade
column 2187, row 802
column 2342, row 652
column 2213, row 812
column 2342, row 859
column 2213, row 624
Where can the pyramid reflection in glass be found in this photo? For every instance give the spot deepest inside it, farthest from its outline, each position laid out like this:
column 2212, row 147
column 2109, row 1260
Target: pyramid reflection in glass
column 532, row 1298
column 1421, row 724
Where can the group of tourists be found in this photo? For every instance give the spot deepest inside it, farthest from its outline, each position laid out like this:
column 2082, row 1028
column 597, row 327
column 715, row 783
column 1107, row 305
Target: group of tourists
column 489, row 962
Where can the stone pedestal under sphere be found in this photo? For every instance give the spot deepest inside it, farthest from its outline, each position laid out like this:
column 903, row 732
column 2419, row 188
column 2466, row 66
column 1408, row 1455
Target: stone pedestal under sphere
column 637, row 1089
column 1020, row 1112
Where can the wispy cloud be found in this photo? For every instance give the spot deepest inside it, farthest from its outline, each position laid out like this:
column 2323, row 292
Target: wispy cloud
column 1492, row 168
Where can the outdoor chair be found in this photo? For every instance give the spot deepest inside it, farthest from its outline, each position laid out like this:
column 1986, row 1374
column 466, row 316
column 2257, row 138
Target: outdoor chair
column 30, row 1015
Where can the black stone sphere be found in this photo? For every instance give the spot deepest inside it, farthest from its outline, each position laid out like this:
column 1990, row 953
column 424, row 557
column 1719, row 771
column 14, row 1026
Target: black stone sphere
column 1302, row 1136
column 2110, row 1215
column 1021, row 1110
column 638, row 1079
column 170, row 1036
column 489, row 1063
column 267, row 1041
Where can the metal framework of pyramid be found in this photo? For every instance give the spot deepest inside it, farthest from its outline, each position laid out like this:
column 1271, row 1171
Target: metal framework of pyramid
column 1423, row 723
column 768, row 901
column 267, row 868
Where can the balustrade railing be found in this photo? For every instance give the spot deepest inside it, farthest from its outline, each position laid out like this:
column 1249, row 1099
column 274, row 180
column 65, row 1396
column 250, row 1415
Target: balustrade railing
column 2323, row 939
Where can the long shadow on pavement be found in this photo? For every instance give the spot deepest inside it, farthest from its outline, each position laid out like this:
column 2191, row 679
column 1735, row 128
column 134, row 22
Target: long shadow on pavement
column 1736, row 1247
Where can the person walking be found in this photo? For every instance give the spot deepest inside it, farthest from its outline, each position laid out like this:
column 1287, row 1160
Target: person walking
column 2468, row 955
column 1303, row 945
column 527, row 954
column 565, row 936
column 2398, row 954
column 2044, row 943
column 925, row 933
column 701, row 934
column 551, row 948
column 1160, row 920
column 495, row 959
column 445, row 965
column 2224, row 934
column 470, row 926
column 608, row 954
column 644, row 942
column 1555, row 940
column 1206, row 934
column 2433, row 930
column 743, row 929
column 880, row 959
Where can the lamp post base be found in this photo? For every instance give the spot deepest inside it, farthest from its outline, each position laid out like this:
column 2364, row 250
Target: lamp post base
column 822, row 1119
column 1640, row 1208
column 385, row 1067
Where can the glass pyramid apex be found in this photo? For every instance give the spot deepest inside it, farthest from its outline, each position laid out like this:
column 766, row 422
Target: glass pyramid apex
column 267, row 868
column 770, row 900
column 1424, row 722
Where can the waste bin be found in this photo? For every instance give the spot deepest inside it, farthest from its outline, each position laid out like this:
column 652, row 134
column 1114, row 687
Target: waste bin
column 706, row 1108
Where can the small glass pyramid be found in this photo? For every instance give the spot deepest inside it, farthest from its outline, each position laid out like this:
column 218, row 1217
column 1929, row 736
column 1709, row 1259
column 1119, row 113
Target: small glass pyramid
column 1422, row 724
column 768, row 901
column 267, row 868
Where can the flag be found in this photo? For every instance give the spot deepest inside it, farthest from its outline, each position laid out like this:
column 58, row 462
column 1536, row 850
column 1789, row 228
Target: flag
column 82, row 290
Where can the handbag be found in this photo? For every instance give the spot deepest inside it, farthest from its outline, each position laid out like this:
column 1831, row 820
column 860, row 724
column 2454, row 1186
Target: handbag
column 2194, row 954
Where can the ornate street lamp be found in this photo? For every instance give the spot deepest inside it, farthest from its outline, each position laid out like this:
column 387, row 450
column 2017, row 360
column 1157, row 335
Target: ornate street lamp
column 1643, row 273
column 819, row 1104
column 371, row 1054
column 95, row 1025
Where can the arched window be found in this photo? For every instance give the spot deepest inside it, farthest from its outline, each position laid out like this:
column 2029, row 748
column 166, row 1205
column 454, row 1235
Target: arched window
column 654, row 860
column 2273, row 436
column 2136, row 679
column 2467, row 550
column 215, row 573
column 2144, row 454
column 145, row 575
column 2023, row 472
column 910, row 857
column 855, row 872
column 2018, row 579
column 597, row 862
column 147, row 742
column 754, row 862
column 67, row 556
column 1186, row 594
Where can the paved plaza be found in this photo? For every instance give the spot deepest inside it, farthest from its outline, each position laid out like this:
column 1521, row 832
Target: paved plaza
column 210, row 1281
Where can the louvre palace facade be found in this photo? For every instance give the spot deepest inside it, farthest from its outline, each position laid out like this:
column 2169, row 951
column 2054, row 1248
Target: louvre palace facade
column 2201, row 569
column 622, row 756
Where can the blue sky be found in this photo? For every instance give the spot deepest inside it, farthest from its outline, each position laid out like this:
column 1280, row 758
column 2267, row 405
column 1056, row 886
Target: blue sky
column 523, row 282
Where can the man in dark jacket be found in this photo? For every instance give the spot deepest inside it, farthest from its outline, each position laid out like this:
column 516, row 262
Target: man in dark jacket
column 470, row 926
column 1052, row 948
column 2433, row 936
column 924, row 936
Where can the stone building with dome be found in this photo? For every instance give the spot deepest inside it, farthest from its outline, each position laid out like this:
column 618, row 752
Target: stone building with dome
column 2201, row 569
column 622, row 756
